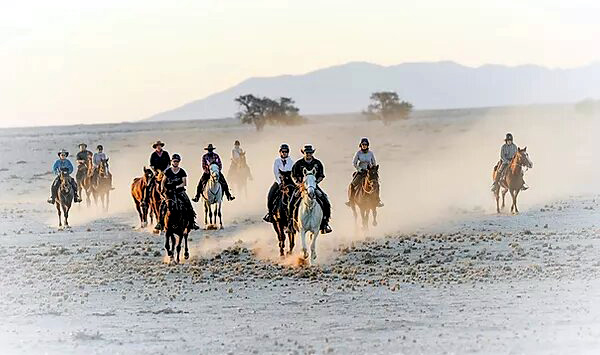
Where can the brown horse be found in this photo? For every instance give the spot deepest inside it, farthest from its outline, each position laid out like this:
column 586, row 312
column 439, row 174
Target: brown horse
column 513, row 179
column 139, row 189
column 155, row 199
column 239, row 174
column 64, row 198
column 367, row 196
column 84, row 176
column 176, row 222
column 101, row 184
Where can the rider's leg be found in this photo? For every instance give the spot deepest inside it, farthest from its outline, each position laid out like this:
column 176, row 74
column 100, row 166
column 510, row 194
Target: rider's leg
column 225, row 187
column 293, row 209
column 325, row 228
column 54, row 190
column 271, row 202
column 200, row 188
column 356, row 177
column 499, row 176
column 75, row 194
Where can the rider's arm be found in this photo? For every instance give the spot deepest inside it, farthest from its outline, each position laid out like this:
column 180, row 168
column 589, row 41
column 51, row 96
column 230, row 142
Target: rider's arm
column 219, row 163
column 320, row 172
column 163, row 182
column 356, row 162
column 55, row 167
column 183, row 182
column 373, row 161
column 276, row 171
column 69, row 166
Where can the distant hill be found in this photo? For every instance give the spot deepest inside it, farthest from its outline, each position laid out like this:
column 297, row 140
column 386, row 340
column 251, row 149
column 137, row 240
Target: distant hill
column 346, row 88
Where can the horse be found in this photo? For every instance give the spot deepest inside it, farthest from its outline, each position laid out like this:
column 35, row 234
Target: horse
column 513, row 179
column 310, row 213
column 281, row 212
column 156, row 197
column 239, row 173
column 101, row 184
column 84, row 175
column 176, row 222
column 64, row 198
column 367, row 197
column 139, row 189
column 213, row 195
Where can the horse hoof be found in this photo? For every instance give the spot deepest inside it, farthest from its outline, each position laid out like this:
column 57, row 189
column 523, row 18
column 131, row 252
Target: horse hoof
column 186, row 256
column 374, row 224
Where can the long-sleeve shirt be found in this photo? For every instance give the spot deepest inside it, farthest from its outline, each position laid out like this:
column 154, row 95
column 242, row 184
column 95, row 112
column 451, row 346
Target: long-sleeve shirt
column 160, row 162
column 298, row 169
column 84, row 155
column 236, row 152
column 507, row 153
column 211, row 158
column 363, row 160
column 61, row 164
column 283, row 165
column 98, row 157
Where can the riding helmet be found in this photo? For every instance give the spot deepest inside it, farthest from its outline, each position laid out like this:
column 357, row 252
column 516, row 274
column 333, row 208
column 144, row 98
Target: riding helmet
column 236, row 142
column 284, row 146
column 364, row 140
column 509, row 137
column 99, row 147
column 176, row 157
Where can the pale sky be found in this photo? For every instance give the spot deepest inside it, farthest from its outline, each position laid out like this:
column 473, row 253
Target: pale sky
column 67, row 62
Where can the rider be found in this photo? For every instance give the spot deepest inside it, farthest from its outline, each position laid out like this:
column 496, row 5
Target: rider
column 363, row 159
column 84, row 155
column 507, row 153
column 97, row 159
column 308, row 163
column 173, row 184
column 59, row 165
column 159, row 159
column 236, row 152
column 283, row 163
column 207, row 160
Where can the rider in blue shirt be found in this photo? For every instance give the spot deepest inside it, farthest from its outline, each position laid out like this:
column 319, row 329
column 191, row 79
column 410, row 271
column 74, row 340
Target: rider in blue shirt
column 59, row 165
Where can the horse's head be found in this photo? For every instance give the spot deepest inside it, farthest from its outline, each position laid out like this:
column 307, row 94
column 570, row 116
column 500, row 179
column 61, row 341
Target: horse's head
column 310, row 182
column 103, row 167
column 65, row 179
column 373, row 172
column 522, row 158
column 214, row 171
column 148, row 175
column 286, row 181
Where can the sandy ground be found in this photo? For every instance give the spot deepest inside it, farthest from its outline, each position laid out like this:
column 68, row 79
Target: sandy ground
column 442, row 273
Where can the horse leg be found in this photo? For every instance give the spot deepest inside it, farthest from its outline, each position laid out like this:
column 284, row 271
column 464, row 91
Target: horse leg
column 66, row 213
column 364, row 213
column 59, row 215
column 512, row 206
column 355, row 214
column 172, row 246
column 220, row 216
column 206, row 207
column 107, row 200
column 515, row 201
column 303, row 237
column 291, row 238
column 281, row 237
column 313, row 245
column 374, row 216
column 180, row 239
column 497, row 195
column 186, row 254
column 504, row 191
column 167, row 246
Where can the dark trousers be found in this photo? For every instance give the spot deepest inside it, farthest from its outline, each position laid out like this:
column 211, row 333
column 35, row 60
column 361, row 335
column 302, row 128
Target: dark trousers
column 56, row 185
column 204, row 179
column 272, row 196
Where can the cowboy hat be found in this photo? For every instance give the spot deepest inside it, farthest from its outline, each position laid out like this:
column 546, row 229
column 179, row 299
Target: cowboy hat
column 83, row 144
column 308, row 148
column 157, row 143
column 62, row 151
column 210, row 147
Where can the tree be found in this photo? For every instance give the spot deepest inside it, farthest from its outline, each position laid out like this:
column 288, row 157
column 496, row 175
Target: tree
column 387, row 107
column 262, row 111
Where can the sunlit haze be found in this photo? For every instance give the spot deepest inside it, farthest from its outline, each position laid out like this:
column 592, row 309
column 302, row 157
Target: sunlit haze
column 68, row 62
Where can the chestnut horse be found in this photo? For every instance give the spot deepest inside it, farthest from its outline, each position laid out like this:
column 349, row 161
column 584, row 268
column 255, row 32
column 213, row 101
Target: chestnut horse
column 513, row 179
column 139, row 189
column 239, row 174
column 84, row 180
column 156, row 197
column 101, row 181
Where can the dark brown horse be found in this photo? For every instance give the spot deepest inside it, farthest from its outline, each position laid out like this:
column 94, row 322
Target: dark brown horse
column 281, row 213
column 176, row 223
column 83, row 177
column 64, row 198
column 101, row 184
column 139, row 189
column 239, row 174
column 366, row 196
column 513, row 179
column 156, row 197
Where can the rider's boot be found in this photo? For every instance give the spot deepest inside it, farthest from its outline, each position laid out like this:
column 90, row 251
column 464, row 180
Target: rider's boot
column 525, row 187
column 229, row 197
column 51, row 200
column 268, row 218
column 380, row 204
column 76, row 197
column 325, row 228
column 196, row 198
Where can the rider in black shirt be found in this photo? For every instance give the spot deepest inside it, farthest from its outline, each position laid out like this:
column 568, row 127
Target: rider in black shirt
column 159, row 159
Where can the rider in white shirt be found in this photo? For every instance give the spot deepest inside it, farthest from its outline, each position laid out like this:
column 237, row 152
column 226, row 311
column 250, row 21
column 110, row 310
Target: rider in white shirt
column 283, row 163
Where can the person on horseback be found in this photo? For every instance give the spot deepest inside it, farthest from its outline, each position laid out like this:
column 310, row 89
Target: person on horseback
column 62, row 164
column 173, row 185
column 207, row 160
column 236, row 152
column 363, row 159
column 283, row 163
column 159, row 159
column 98, row 157
column 84, row 155
column 309, row 162
column 507, row 153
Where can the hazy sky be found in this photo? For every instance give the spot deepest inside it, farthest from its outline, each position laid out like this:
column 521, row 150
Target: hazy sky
column 64, row 62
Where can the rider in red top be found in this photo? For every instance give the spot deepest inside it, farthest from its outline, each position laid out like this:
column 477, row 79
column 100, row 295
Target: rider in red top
column 207, row 160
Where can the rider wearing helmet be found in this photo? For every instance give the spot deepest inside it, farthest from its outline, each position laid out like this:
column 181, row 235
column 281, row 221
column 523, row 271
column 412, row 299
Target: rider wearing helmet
column 207, row 160
column 309, row 162
column 173, row 184
column 98, row 158
column 363, row 159
column 507, row 153
column 236, row 152
column 62, row 164
column 283, row 163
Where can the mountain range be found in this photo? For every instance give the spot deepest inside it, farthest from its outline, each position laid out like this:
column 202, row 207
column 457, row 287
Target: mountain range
column 438, row 85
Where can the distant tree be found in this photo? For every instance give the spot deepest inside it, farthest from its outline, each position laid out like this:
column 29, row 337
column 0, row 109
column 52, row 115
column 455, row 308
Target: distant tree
column 387, row 107
column 262, row 111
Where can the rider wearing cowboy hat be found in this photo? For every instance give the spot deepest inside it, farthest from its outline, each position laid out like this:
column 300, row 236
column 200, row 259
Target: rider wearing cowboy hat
column 282, row 163
column 507, row 153
column 62, row 164
column 159, row 159
column 83, row 155
column 363, row 159
column 207, row 160
column 309, row 162
column 173, row 183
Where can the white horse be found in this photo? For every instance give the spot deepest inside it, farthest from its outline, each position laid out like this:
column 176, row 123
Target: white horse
column 310, row 213
column 213, row 195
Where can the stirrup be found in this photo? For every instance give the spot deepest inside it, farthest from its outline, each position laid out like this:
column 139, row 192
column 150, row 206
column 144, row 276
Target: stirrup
column 230, row 198
column 158, row 226
column 525, row 187
column 196, row 198
column 326, row 229
column 51, row 201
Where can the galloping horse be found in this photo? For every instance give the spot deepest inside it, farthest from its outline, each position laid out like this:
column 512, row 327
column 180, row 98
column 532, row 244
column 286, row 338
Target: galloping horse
column 176, row 222
column 139, row 189
column 513, row 179
column 64, row 198
column 239, row 173
column 84, row 175
column 281, row 213
column 156, row 197
column 213, row 195
column 367, row 196
column 310, row 213
column 101, row 182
